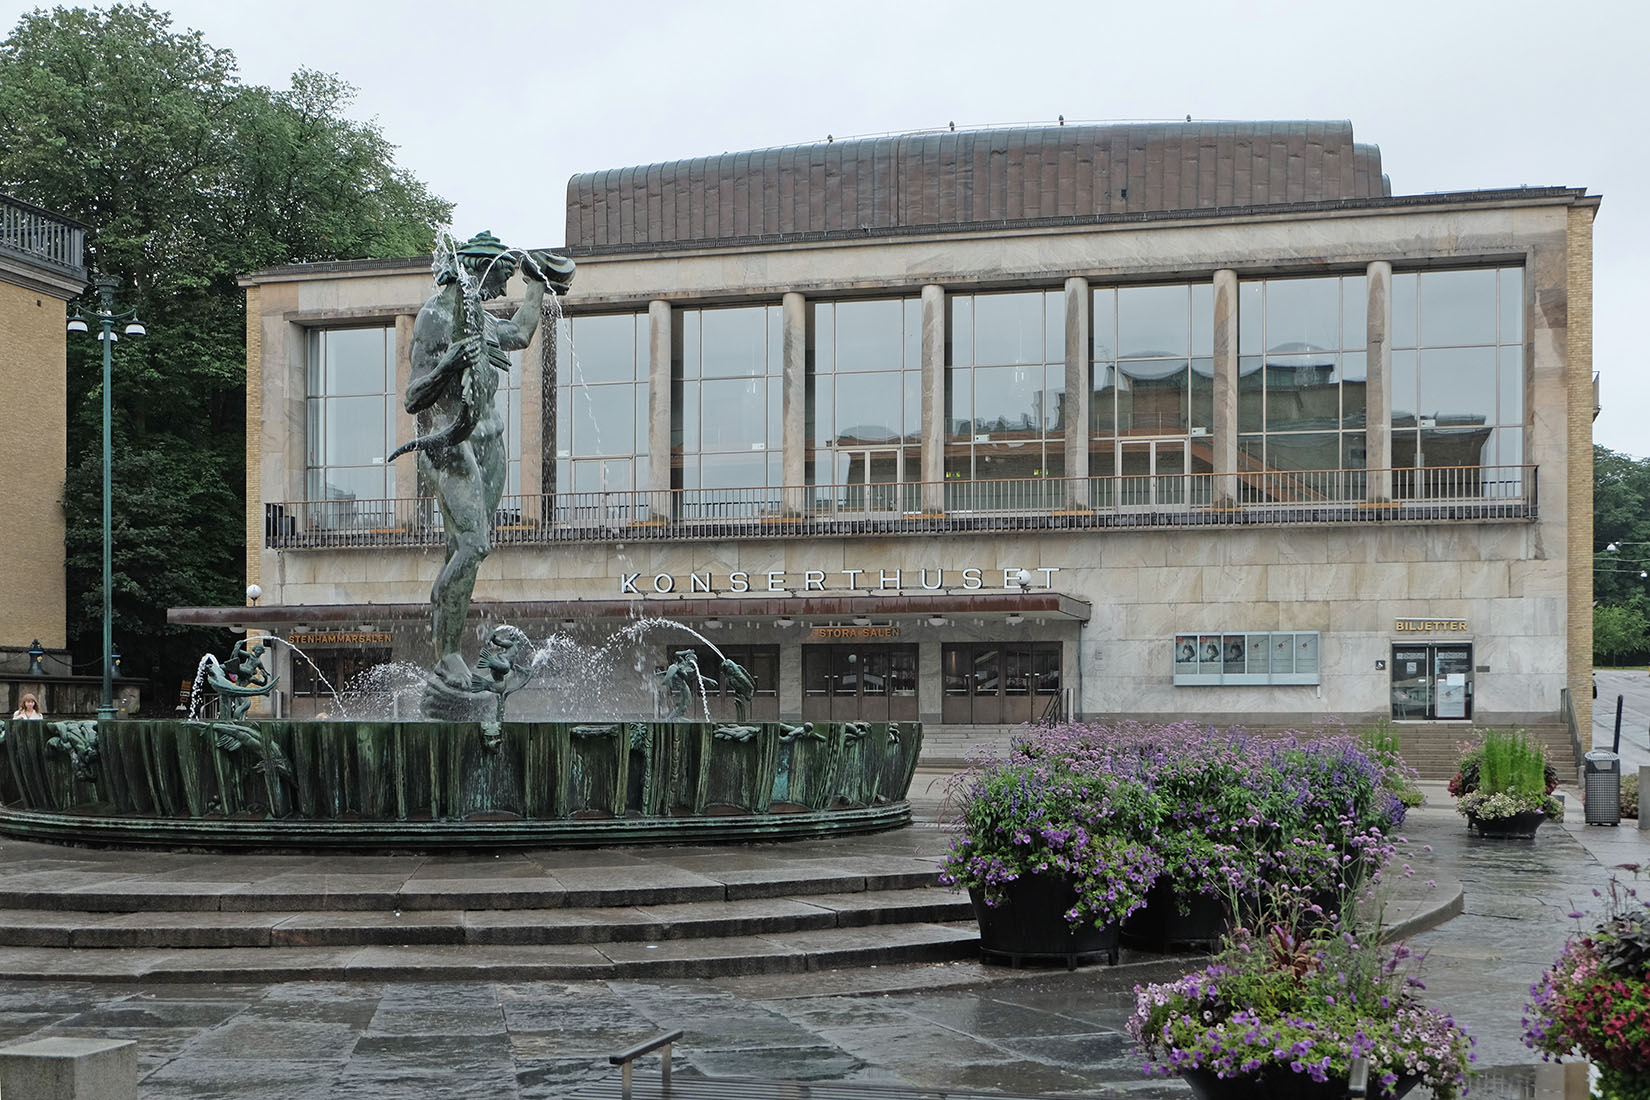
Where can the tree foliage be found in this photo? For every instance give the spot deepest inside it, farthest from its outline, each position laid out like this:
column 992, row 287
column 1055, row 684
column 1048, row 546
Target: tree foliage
column 187, row 179
column 1621, row 517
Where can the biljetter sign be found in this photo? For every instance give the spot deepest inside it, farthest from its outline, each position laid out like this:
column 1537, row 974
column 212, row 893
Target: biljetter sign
column 1430, row 626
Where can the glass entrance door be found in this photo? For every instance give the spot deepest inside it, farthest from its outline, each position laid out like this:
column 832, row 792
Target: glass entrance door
column 1152, row 473
column 1432, row 681
column 870, row 479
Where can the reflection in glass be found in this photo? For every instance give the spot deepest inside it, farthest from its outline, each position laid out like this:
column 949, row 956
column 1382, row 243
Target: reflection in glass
column 356, row 360
column 1303, row 315
column 1458, row 385
column 739, row 422
column 1153, row 321
column 735, row 341
column 867, row 407
column 1103, row 325
column 1512, row 305
column 603, row 419
column 1511, row 386
column 1458, row 307
column 602, row 349
column 1008, row 328
column 1404, row 326
column 1009, row 399
column 1103, row 401
column 869, row 335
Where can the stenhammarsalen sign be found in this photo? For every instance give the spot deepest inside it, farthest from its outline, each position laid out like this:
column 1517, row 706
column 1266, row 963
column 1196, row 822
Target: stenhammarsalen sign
column 783, row 583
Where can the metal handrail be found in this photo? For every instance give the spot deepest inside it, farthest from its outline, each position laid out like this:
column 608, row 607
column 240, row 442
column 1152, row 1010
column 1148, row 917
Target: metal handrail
column 1241, row 498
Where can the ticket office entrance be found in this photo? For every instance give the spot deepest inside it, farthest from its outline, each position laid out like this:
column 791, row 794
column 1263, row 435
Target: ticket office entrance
column 1432, row 681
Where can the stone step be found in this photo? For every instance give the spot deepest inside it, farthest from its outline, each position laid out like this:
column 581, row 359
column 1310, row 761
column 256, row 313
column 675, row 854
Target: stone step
column 110, row 891
column 206, row 929
column 790, row 953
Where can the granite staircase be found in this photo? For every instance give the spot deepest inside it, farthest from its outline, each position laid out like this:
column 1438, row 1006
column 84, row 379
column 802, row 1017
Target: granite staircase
column 616, row 913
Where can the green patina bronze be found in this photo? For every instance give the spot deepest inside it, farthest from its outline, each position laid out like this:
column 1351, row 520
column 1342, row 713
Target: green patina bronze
column 425, row 784
column 458, row 352
column 239, row 679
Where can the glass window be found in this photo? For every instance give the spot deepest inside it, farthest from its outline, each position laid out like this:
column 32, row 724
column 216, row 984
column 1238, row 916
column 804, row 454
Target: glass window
column 734, row 342
column 602, row 373
column 1458, row 307
column 1462, row 390
column 865, row 381
column 1153, row 321
column 1310, row 381
column 727, row 426
column 1458, row 384
column 604, row 349
column 1008, row 328
column 1002, row 411
column 351, row 415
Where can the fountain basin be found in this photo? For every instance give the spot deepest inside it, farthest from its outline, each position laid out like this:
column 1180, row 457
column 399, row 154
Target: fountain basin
column 419, row 784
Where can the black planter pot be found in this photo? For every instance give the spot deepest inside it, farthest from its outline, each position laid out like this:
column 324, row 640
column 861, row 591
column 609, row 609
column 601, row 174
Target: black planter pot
column 1279, row 1083
column 1161, row 925
column 1517, row 827
column 1030, row 925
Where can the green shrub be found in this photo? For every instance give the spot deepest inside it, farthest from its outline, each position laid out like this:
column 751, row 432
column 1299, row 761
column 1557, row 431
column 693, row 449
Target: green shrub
column 1383, row 743
column 1630, row 795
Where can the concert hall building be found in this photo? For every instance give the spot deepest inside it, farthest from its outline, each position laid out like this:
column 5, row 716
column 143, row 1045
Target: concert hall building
column 1166, row 421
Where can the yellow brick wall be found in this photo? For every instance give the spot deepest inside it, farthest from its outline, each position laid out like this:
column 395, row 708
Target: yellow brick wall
column 33, row 376
column 1579, row 475
column 254, row 437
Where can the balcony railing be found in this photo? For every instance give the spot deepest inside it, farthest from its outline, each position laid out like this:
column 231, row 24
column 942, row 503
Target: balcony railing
column 42, row 236
column 1271, row 497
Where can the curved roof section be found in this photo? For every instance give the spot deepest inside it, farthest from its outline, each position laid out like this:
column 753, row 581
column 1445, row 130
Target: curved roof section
column 953, row 179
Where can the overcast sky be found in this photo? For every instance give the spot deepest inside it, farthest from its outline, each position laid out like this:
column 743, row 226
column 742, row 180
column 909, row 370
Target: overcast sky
column 495, row 106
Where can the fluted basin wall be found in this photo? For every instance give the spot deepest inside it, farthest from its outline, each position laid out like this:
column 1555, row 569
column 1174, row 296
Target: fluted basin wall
column 368, row 784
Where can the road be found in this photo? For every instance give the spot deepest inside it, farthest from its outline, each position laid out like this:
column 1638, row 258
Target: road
column 1633, row 685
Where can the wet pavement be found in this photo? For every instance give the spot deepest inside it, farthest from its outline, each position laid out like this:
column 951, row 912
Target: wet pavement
column 960, row 1025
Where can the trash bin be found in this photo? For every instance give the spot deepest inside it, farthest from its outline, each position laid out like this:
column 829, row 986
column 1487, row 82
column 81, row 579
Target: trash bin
column 1602, row 787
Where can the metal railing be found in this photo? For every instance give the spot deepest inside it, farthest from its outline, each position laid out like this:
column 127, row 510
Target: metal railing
column 41, row 235
column 1244, row 498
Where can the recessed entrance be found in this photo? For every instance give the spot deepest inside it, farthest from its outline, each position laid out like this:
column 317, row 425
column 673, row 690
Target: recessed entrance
column 859, row 683
column 1432, row 681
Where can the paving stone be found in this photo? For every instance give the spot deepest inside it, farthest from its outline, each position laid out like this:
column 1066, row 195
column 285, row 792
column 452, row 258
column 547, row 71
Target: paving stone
column 200, row 1078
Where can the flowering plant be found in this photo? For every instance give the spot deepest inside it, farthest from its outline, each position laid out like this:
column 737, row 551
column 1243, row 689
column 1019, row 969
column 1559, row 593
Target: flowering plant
column 1596, row 999
column 1221, row 814
column 1503, row 777
column 1284, row 1004
column 1040, row 815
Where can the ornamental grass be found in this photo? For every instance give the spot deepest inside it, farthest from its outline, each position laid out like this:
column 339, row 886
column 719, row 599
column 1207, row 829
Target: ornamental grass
column 1504, row 776
column 1221, row 813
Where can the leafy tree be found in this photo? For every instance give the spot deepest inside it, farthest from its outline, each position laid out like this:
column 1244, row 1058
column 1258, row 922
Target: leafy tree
column 1618, row 630
column 187, row 178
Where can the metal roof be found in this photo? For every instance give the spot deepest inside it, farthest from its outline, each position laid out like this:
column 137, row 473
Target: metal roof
column 959, row 178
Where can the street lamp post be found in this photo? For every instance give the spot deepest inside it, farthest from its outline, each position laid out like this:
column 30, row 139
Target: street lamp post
column 106, row 319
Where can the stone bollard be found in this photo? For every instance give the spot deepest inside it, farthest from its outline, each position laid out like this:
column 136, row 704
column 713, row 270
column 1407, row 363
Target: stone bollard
column 1644, row 786
column 68, row 1068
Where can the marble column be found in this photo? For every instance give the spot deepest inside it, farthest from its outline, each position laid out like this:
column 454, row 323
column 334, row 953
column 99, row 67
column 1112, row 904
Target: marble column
column 933, row 398
column 794, row 406
column 1225, row 386
column 1076, row 407
column 658, row 405
column 1378, row 387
